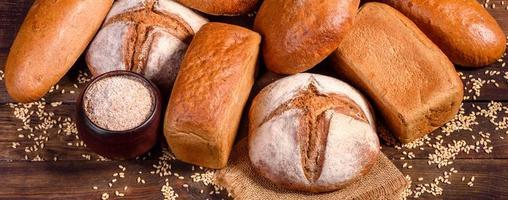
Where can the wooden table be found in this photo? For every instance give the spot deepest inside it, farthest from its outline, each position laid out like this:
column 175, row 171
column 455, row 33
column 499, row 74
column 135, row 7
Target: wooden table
column 54, row 164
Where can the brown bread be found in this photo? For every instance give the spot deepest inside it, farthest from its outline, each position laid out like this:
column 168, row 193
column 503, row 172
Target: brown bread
column 409, row 78
column 463, row 29
column 221, row 7
column 50, row 40
column 297, row 35
column 209, row 94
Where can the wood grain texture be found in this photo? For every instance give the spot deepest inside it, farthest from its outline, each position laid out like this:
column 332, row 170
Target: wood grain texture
column 75, row 180
column 72, row 176
column 490, row 178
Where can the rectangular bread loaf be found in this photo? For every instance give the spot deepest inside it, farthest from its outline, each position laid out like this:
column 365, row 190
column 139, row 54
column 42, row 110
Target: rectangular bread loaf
column 209, row 94
column 410, row 80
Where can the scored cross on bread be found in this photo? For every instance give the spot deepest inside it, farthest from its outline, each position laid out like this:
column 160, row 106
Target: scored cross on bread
column 315, row 112
column 311, row 133
column 145, row 36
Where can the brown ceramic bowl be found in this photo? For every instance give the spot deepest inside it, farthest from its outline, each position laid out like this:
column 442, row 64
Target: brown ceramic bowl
column 120, row 144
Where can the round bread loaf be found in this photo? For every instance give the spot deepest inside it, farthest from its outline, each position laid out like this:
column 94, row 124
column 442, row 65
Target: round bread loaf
column 311, row 133
column 145, row 36
column 297, row 35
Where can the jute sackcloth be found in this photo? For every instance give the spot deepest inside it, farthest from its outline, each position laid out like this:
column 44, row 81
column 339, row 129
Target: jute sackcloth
column 384, row 181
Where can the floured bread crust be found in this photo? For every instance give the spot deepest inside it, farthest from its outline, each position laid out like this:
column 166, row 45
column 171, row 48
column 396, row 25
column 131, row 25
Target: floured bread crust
column 145, row 36
column 311, row 133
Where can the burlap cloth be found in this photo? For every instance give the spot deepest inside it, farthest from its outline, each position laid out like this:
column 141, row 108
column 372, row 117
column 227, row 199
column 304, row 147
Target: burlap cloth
column 384, row 181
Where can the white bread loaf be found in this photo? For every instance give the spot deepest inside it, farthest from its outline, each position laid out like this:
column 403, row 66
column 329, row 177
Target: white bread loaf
column 145, row 36
column 311, row 133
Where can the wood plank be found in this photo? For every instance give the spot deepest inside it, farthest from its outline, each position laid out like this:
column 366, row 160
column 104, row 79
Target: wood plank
column 66, row 179
column 489, row 183
column 12, row 13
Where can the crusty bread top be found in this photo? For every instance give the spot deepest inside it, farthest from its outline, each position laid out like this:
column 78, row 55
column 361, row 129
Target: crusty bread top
column 412, row 71
column 312, row 133
column 166, row 7
column 221, row 7
column 464, row 30
column 297, row 35
column 409, row 78
column 144, row 36
column 220, row 57
column 288, row 91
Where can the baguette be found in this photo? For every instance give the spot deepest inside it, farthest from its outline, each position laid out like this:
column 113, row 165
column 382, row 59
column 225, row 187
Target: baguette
column 411, row 81
column 50, row 40
column 463, row 29
column 210, row 91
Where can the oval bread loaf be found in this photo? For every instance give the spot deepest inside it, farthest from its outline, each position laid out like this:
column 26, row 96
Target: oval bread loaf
column 50, row 40
column 463, row 29
column 221, row 7
column 145, row 36
column 311, row 133
column 297, row 35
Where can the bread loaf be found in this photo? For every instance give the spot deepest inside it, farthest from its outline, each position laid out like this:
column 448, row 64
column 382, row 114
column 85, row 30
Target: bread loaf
column 50, row 40
column 297, row 35
column 409, row 78
column 145, row 36
column 221, row 7
column 463, row 29
column 209, row 94
column 311, row 133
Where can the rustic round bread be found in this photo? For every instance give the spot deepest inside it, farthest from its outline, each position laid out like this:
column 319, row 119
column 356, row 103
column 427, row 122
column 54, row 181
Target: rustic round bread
column 145, row 36
column 311, row 133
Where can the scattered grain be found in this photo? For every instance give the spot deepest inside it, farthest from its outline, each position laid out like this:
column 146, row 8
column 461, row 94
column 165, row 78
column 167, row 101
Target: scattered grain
column 167, row 192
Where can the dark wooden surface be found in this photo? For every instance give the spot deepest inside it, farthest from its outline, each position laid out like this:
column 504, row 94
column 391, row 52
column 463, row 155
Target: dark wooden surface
column 76, row 170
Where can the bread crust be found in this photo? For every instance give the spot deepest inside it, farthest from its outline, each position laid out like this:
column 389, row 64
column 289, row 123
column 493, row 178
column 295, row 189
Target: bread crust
column 311, row 133
column 50, row 40
column 408, row 77
column 297, row 35
column 464, row 30
column 209, row 94
column 221, row 7
column 144, row 36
